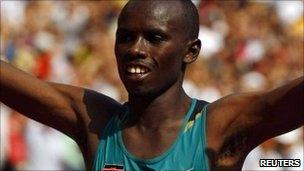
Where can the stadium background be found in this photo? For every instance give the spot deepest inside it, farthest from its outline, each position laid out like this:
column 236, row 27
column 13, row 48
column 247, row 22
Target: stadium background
column 246, row 46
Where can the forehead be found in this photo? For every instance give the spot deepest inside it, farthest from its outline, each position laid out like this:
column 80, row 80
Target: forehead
column 152, row 13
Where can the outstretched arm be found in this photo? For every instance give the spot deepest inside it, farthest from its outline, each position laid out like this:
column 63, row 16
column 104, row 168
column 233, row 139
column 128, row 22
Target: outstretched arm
column 37, row 99
column 65, row 108
column 238, row 123
column 280, row 111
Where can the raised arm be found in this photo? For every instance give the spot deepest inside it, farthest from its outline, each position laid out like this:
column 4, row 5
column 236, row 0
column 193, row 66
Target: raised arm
column 65, row 108
column 282, row 109
column 238, row 123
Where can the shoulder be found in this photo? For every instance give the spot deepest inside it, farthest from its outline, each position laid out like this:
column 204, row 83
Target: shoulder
column 87, row 99
column 95, row 111
column 98, row 102
column 92, row 109
column 99, row 109
column 200, row 105
column 234, row 108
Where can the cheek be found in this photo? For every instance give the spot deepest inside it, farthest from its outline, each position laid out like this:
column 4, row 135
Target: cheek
column 171, row 61
column 170, row 68
column 118, row 52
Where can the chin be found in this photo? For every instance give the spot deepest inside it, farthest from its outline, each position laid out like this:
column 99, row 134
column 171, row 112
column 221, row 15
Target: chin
column 143, row 92
column 139, row 92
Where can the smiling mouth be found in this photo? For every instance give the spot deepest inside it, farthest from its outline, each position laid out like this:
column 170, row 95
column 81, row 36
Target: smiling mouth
column 137, row 72
column 137, row 69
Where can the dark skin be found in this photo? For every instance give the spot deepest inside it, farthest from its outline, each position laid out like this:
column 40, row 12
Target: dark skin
column 235, row 124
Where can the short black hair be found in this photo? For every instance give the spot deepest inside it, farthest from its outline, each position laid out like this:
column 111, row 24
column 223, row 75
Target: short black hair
column 190, row 17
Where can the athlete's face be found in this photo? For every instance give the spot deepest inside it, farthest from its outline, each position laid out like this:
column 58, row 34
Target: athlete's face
column 150, row 46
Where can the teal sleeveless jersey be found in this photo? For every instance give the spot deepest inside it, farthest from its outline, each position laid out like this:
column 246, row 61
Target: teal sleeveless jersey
column 186, row 153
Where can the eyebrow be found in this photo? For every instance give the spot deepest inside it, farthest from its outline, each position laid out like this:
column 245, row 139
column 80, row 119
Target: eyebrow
column 123, row 30
column 156, row 31
column 145, row 31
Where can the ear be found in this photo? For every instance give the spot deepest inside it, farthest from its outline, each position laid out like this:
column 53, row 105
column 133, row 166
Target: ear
column 193, row 50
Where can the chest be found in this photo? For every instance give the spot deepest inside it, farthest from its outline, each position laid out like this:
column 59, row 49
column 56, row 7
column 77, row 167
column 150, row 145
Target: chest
column 150, row 144
column 173, row 148
column 177, row 153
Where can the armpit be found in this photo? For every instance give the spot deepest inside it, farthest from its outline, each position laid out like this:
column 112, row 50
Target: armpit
column 234, row 149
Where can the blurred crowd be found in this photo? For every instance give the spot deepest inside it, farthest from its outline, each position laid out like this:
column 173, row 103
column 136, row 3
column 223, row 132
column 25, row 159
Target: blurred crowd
column 246, row 46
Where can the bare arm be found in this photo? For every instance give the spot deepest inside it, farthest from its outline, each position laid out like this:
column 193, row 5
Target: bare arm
column 238, row 123
column 65, row 108
column 281, row 110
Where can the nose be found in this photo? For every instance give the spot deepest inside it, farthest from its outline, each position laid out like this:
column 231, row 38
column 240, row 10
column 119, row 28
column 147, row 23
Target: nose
column 138, row 49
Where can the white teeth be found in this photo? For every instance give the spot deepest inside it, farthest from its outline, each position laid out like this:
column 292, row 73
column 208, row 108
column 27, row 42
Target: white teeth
column 142, row 70
column 137, row 70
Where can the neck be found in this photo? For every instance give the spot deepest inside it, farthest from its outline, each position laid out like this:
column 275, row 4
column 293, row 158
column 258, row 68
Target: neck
column 168, row 107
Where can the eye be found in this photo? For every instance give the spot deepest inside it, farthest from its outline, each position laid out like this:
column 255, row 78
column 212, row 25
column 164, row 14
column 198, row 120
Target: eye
column 124, row 36
column 155, row 38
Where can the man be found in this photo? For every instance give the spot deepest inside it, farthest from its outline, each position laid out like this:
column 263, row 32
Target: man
column 160, row 127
